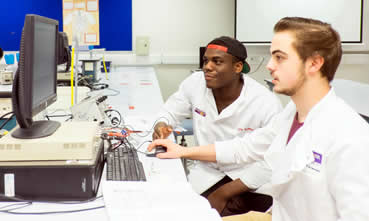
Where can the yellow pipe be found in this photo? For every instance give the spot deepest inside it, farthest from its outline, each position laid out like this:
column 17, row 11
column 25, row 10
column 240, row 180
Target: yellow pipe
column 72, row 78
column 106, row 72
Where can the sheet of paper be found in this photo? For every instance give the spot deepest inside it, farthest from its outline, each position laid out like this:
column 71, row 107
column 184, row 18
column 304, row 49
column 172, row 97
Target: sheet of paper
column 157, row 170
column 155, row 201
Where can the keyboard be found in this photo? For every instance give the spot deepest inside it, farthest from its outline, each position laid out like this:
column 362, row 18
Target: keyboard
column 123, row 165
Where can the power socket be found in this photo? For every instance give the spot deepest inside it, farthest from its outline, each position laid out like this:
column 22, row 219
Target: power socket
column 142, row 45
column 5, row 105
column 6, row 77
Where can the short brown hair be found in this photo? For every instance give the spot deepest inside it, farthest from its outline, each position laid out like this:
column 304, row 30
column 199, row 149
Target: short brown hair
column 314, row 37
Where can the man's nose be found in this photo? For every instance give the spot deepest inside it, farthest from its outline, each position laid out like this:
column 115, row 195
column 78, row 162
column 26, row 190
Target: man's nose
column 270, row 65
column 207, row 67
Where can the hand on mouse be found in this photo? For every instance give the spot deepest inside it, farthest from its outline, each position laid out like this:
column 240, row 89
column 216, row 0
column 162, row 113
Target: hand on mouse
column 161, row 131
column 173, row 150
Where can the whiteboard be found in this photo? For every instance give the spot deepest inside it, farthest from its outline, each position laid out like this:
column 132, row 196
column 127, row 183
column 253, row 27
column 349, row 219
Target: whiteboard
column 255, row 19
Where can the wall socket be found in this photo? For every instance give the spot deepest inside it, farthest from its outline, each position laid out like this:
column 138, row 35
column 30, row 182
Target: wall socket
column 142, row 45
column 5, row 105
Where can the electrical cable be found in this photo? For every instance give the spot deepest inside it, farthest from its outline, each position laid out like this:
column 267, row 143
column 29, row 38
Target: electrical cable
column 139, row 146
column 64, row 115
column 156, row 121
column 22, row 203
column 6, row 121
column 53, row 212
column 257, row 68
column 147, row 132
column 6, row 114
column 3, row 197
column 115, row 147
column 16, row 204
column 138, row 151
column 120, row 120
column 19, row 206
column 114, row 90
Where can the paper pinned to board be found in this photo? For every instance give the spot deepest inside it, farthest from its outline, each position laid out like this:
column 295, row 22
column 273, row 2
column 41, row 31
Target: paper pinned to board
column 155, row 201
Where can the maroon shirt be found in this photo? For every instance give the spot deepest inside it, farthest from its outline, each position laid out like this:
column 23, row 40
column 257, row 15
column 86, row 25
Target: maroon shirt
column 295, row 126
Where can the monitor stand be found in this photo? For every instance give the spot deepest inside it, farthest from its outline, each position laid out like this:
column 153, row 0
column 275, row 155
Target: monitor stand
column 38, row 129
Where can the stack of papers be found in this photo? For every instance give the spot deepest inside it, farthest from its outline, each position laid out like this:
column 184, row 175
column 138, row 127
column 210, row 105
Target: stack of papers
column 138, row 201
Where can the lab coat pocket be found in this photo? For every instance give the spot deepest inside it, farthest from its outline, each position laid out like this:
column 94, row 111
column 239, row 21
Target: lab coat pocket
column 310, row 174
column 313, row 181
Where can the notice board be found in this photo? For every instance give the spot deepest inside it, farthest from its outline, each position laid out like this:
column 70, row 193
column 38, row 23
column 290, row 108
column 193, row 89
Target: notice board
column 115, row 21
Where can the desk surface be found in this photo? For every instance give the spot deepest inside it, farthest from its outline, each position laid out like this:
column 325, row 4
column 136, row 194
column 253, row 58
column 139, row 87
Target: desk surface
column 138, row 101
column 139, row 90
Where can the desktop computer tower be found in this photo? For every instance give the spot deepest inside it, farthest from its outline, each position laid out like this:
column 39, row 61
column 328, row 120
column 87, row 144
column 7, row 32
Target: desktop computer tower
column 52, row 180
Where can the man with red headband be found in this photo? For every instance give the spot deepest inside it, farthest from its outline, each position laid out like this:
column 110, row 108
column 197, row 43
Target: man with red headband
column 224, row 103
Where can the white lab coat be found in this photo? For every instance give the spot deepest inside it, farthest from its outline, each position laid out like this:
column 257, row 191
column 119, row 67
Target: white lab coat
column 253, row 109
column 323, row 172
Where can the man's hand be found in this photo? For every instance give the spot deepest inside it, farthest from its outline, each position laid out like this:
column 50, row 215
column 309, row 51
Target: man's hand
column 204, row 153
column 173, row 150
column 161, row 131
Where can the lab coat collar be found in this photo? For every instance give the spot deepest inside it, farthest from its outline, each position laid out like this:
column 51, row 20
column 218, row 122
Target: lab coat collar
column 228, row 111
column 317, row 108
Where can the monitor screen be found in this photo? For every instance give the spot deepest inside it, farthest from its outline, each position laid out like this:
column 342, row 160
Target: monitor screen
column 43, row 64
column 34, row 86
column 64, row 55
column 201, row 56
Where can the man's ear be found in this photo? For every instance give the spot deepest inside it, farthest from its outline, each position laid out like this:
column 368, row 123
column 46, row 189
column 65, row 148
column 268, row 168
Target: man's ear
column 315, row 63
column 237, row 67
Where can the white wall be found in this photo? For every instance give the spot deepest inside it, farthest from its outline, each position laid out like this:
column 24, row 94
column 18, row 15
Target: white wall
column 170, row 24
column 177, row 28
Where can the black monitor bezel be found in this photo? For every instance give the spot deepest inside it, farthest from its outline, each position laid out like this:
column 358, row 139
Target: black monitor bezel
column 23, row 88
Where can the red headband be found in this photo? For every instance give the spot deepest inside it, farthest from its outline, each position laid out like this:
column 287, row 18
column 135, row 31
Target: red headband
column 219, row 47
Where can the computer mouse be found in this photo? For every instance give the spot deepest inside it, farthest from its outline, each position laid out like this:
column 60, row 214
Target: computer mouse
column 160, row 149
column 157, row 150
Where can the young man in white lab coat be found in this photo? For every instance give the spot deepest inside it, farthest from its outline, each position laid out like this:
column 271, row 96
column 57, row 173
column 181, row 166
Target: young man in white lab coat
column 224, row 103
column 319, row 156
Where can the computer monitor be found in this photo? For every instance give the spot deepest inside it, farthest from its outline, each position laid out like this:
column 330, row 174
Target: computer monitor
column 64, row 55
column 201, row 56
column 34, row 86
column 365, row 117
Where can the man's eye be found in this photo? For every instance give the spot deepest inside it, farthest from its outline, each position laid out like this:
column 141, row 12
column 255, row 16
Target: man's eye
column 278, row 58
